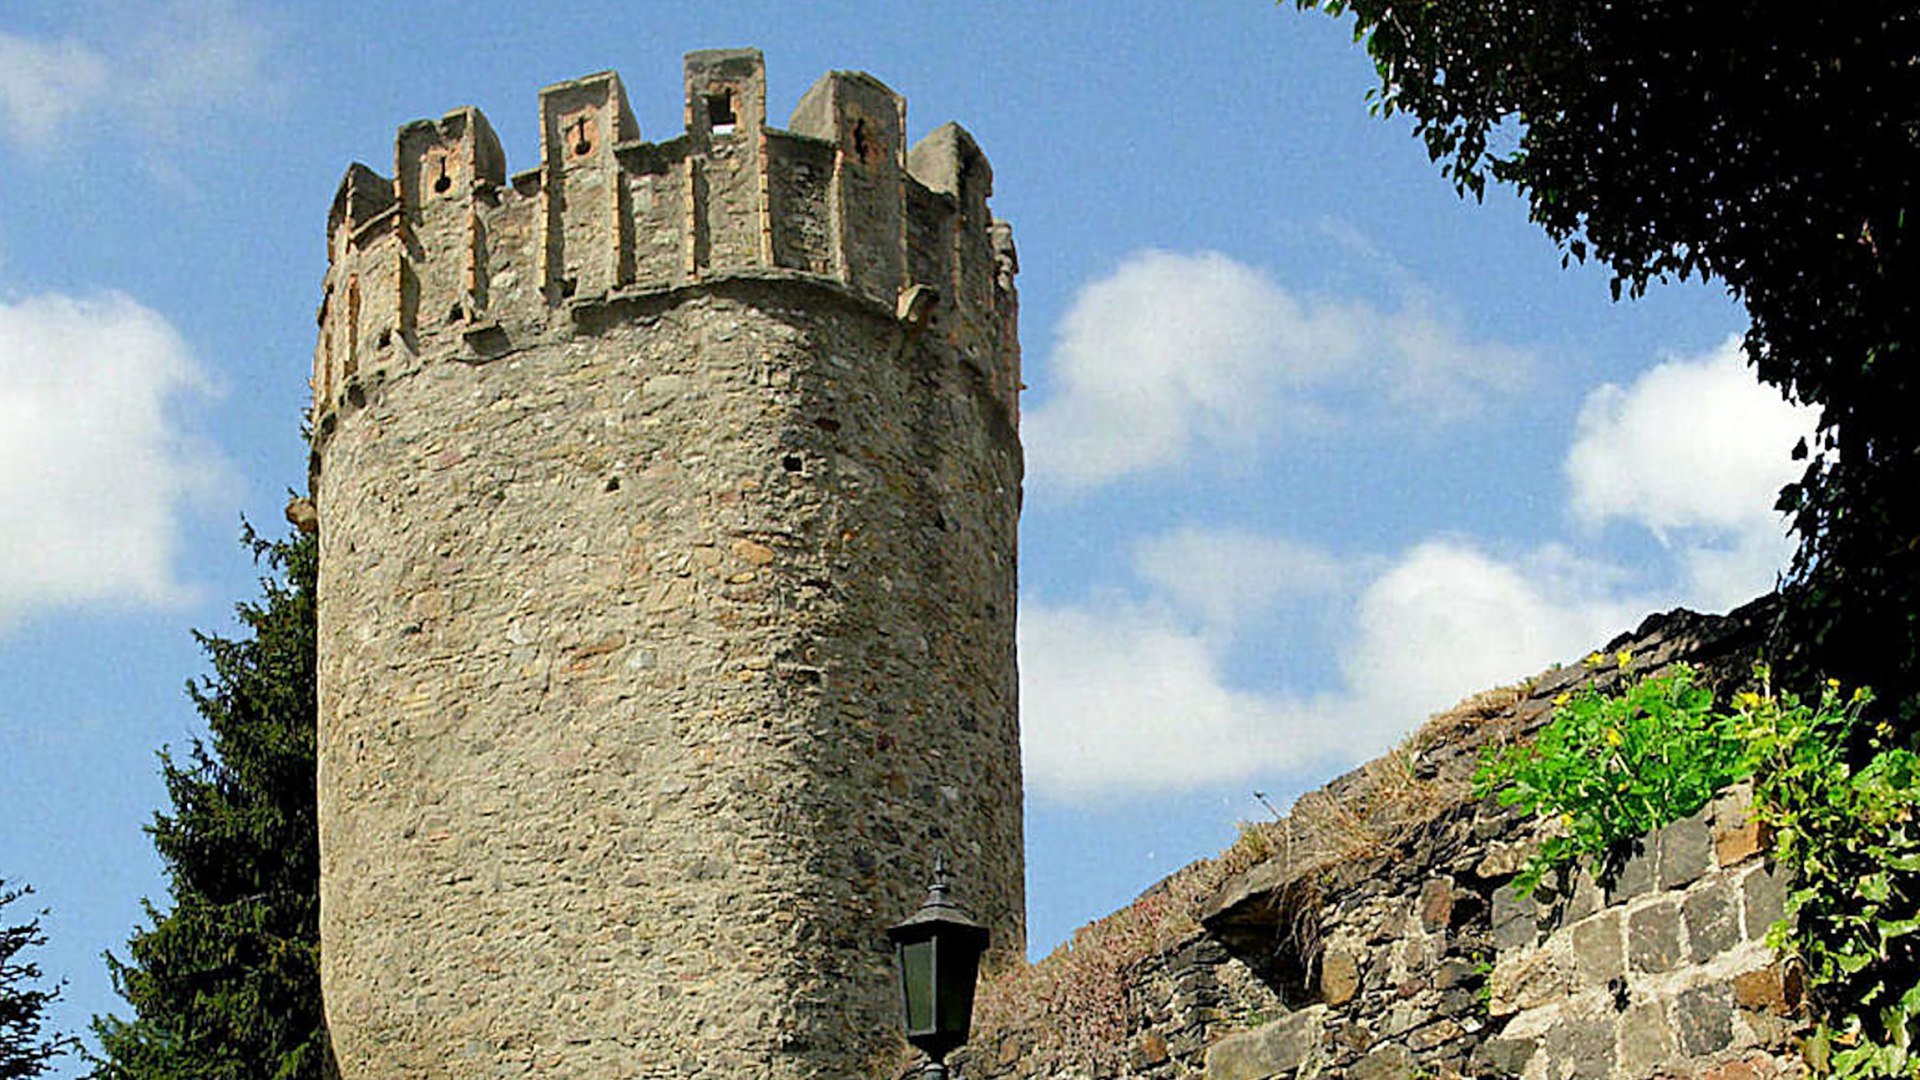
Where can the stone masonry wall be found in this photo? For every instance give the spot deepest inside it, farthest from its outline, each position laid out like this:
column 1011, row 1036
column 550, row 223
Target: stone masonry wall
column 666, row 623
column 1376, row 933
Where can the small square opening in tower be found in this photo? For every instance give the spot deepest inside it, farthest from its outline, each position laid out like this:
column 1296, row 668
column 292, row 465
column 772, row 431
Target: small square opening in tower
column 721, row 118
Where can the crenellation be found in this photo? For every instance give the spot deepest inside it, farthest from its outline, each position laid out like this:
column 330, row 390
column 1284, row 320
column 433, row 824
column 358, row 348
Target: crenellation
column 456, row 244
column 866, row 123
column 588, row 234
column 799, row 190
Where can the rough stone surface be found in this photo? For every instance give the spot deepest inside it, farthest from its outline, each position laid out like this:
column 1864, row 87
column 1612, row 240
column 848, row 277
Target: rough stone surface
column 1685, row 852
column 1703, row 1019
column 666, row 588
column 1712, row 916
column 1277, row 1048
column 1653, row 937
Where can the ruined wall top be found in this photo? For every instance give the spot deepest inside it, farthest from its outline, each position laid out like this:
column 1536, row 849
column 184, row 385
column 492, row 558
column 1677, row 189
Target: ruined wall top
column 454, row 253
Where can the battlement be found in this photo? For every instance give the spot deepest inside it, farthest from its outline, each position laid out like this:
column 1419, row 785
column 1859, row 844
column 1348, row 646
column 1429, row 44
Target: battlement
column 454, row 257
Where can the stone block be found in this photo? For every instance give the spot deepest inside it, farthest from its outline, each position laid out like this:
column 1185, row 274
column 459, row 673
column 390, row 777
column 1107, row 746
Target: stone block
column 1339, row 976
column 1684, row 852
column 1529, row 979
column 1435, row 905
column 1598, row 954
column 1581, row 1045
column 1646, row 1039
column 1776, row 989
column 1279, row 1047
column 1653, row 937
column 1703, row 1019
column 1389, row 1062
column 1634, row 876
column 1747, row 1068
column 1585, row 897
column 1515, row 923
column 1712, row 915
column 1504, row 1057
column 1764, row 897
column 1443, row 1031
column 1732, row 846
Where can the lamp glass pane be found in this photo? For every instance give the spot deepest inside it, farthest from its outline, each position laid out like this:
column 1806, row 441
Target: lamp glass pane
column 956, row 998
column 916, row 974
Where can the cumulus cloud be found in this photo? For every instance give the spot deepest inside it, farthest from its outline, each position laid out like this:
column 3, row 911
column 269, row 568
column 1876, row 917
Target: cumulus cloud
column 43, row 84
column 1226, row 576
column 93, row 469
column 1695, row 450
column 1448, row 620
column 1122, row 695
column 164, row 68
column 1175, row 354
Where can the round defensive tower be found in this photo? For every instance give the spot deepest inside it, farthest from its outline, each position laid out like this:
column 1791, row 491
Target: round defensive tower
column 667, row 498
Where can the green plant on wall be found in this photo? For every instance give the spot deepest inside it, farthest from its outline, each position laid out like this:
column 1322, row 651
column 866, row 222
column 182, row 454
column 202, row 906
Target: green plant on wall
column 1849, row 836
column 1608, row 768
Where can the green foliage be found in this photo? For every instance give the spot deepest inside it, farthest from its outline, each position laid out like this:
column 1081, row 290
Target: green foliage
column 24, row 1050
column 1611, row 767
column 1608, row 768
column 1850, row 838
column 225, row 985
column 1772, row 146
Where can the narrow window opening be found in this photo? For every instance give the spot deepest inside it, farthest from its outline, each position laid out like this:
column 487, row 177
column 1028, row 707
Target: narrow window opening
column 442, row 183
column 861, row 148
column 580, row 134
column 721, row 118
column 791, row 463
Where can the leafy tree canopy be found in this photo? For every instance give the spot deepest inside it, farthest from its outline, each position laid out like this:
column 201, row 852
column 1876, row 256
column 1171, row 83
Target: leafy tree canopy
column 1774, row 146
column 24, row 1049
column 225, row 985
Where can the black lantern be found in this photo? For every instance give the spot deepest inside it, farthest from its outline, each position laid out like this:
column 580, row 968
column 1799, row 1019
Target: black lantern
column 938, row 948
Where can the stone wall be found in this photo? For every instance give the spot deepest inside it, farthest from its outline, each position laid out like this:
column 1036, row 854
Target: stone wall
column 1375, row 931
column 666, row 598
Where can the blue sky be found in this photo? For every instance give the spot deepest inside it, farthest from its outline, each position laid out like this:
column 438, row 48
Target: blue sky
column 1314, row 447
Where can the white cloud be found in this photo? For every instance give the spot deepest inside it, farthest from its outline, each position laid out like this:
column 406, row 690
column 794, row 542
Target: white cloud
column 93, row 471
column 1226, row 576
column 1174, row 354
column 165, row 67
column 1695, row 450
column 45, row 83
column 1448, row 620
column 1120, row 697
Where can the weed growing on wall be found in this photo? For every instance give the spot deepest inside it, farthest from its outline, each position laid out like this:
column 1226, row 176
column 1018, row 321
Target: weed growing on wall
column 1849, row 834
column 1610, row 767
column 1842, row 800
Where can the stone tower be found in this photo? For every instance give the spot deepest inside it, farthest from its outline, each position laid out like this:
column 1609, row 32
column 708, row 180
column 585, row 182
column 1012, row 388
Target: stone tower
column 667, row 498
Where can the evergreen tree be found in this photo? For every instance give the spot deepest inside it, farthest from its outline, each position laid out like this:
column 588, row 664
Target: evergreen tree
column 24, row 1050
column 225, row 985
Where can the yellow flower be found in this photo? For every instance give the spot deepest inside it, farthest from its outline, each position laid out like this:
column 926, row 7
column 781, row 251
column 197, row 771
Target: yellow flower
column 1613, row 737
column 1594, row 659
column 1747, row 699
column 1562, row 698
column 1624, row 657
